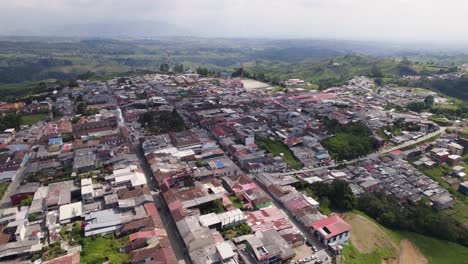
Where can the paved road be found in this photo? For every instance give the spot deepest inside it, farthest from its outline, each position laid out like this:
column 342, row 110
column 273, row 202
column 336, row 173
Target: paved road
column 373, row 155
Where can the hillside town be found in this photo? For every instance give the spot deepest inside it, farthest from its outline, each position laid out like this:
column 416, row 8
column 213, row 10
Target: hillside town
column 172, row 168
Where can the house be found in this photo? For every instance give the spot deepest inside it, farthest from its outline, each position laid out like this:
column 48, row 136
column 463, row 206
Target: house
column 455, row 148
column 463, row 188
column 85, row 160
column 454, row 159
column 458, row 171
column 70, row 212
column 442, row 201
column 331, row 229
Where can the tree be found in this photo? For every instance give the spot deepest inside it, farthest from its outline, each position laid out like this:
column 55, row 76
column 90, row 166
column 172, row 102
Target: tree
column 338, row 193
column 178, row 68
column 429, row 100
column 202, row 71
column 73, row 83
column 10, row 121
column 85, row 76
column 416, row 106
column 164, row 67
column 32, row 217
column 376, row 71
column 238, row 73
column 378, row 81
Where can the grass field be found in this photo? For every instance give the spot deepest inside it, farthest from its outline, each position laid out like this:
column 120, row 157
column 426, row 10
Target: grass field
column 3, row 188
column 437, row 251
column 352, row 256
column 276, row 148
column 373, row 243
column 102, row 249
column 31, row 119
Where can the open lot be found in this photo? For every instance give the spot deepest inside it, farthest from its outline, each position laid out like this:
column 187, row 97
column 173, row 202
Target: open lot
column 250, row 84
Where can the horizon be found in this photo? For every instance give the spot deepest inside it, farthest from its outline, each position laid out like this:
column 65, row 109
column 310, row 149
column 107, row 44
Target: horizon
column 395, row 21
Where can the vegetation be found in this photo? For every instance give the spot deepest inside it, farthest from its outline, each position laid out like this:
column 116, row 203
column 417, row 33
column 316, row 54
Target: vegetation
column 162, row 122
column 26, row 201
column 31, row 119
column 337, row 194
column 236, row 202
column 72, row 233
column 441, row 121
column 83, row 109
column 419, row 218
column 352, row 256
column 350, row 141
column 103, row 249
column 435, row 250
column 32, row 217
column 276, row 148
column 3, row 188
column 215, row 206
column 381, row 240
column 52, row 251
column 10, row 121
column 235, row 231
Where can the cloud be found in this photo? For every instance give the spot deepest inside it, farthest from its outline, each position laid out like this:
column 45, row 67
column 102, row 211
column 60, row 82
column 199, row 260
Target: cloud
column 400, row 20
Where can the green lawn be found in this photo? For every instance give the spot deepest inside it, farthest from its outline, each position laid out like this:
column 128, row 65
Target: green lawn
column 31, row 119
column 102, row 249
column 3, row 188
column 437, row 251
column 276, row 148
column 236, row 202
column 352, row 256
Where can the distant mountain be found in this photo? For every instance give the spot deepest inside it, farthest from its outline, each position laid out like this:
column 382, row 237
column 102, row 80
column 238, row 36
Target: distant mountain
column 104, row 30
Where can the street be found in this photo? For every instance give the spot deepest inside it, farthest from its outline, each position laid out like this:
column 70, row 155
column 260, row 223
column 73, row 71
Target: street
column 171, row 229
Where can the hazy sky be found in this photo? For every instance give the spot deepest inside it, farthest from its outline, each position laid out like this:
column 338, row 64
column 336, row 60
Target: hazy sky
column 400, row 20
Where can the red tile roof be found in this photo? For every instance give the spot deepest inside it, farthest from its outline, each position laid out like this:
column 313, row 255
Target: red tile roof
column 332, row 226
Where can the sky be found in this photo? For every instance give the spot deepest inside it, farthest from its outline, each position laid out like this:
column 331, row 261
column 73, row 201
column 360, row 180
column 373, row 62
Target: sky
column 433, row 21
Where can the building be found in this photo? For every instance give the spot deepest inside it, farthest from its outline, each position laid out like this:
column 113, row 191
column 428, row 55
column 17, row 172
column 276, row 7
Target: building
column 455, row 149
column 331, row 229
column 463, row 188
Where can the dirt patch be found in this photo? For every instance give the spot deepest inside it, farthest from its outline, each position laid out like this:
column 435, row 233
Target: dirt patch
column 302, row 252
column 367, row 236
column 410, row 254
column 250, row 84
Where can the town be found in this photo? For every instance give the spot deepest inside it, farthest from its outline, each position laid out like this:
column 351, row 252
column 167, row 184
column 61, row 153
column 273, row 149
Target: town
column 163, row 168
